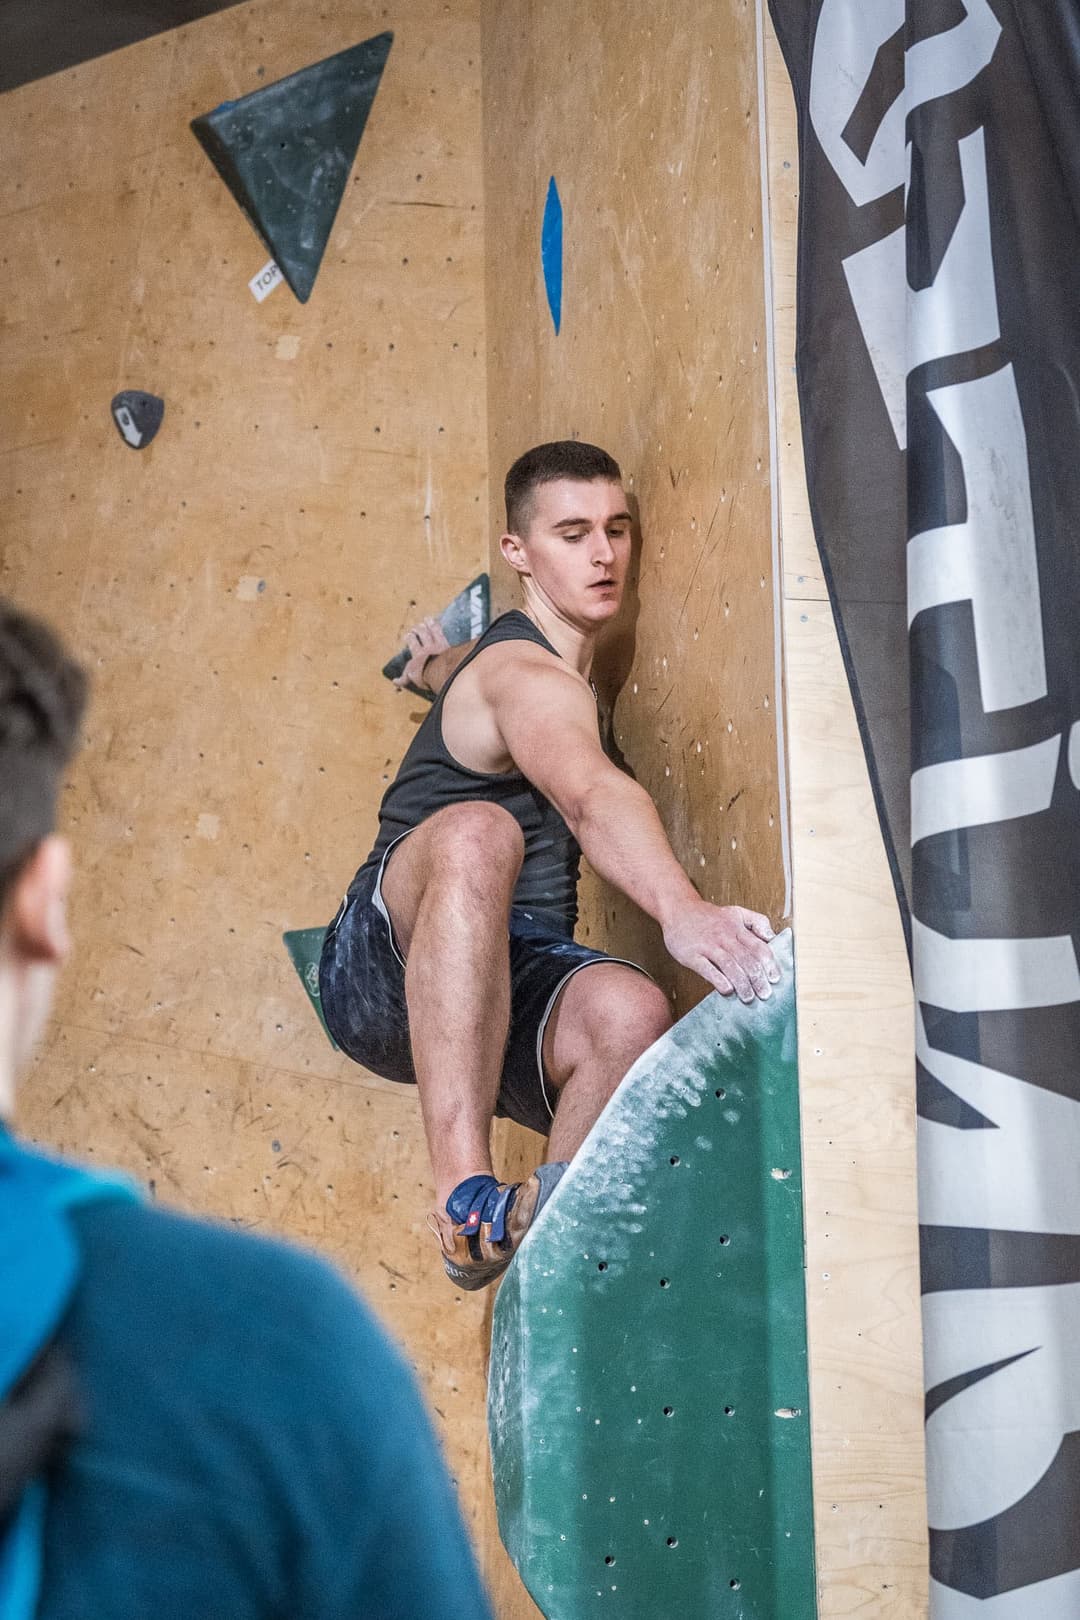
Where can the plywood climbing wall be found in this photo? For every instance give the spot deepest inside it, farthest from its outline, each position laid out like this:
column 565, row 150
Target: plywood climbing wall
column 319, row 480
column 649, row 125
column 856, row 1049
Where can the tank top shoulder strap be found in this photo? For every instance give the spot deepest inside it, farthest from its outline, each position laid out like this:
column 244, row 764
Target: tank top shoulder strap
column 511, row 626
column 514, row 626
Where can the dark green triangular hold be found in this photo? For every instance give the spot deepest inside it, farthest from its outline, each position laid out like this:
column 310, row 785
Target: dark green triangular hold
column 285, row 152
column 467, row 617
column 304, row 946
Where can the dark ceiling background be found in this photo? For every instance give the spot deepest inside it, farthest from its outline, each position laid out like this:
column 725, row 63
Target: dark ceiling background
column 42, row 36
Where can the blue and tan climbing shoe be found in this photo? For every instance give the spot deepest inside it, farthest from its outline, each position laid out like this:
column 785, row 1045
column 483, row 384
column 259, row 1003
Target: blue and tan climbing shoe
column 485, row 1221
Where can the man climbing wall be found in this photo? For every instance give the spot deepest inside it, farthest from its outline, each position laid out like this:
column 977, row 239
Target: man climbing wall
column 451, row 962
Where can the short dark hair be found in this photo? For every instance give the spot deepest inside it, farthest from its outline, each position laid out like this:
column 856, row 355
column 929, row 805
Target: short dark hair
column 564, row 458
column 42, row 699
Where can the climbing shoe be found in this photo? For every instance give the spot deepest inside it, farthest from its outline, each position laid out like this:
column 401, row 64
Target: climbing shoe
column 485, row 1221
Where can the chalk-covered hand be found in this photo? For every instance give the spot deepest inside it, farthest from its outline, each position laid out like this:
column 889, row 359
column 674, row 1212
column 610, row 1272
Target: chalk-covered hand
column 727, row 945
column 424, row 641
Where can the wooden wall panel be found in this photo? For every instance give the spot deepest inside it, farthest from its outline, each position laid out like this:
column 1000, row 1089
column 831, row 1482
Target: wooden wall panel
column 649, row 124
column 319, row 481
column 652, row 136
column 856, row 1051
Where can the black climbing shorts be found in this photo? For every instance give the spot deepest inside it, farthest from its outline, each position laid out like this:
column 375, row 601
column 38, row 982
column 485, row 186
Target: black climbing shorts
column 362, row 989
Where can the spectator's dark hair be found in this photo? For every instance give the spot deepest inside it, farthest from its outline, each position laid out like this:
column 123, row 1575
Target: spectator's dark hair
column 42, row 698
column 565, row 458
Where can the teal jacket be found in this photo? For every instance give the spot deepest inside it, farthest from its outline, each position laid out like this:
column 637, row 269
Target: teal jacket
column 251, row 1444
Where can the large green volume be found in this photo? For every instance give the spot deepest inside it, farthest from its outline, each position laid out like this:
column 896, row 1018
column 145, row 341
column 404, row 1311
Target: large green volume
column 648, row 1390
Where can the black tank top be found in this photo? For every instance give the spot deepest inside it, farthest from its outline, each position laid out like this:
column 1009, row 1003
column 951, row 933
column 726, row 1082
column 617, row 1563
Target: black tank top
column 429, row 778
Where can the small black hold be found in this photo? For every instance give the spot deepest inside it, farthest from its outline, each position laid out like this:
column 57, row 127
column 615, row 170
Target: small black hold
column 138, row 416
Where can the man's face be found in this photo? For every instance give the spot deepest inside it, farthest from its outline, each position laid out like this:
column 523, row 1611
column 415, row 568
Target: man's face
column 577, row 547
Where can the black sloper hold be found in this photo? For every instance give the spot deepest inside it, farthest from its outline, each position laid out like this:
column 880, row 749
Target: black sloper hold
column 137, row 416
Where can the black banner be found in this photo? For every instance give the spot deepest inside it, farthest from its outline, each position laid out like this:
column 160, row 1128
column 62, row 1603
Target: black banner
column 939, row 375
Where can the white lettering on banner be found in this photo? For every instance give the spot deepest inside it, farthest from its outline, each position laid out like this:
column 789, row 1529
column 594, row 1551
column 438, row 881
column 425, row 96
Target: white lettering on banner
column 991, row 1443
column 877, row 281
column 985, row 788
column 993, row 975
column 1074, row 754
column 903, row 328
column 945, row 63
column 1056, row 1599
column 1020, row 1176
column 990, row 559
column 846, row 44
column 959, row 311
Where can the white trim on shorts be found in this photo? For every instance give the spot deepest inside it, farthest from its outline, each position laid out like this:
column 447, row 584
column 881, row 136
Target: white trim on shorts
column 594, row 961
column 376, row 894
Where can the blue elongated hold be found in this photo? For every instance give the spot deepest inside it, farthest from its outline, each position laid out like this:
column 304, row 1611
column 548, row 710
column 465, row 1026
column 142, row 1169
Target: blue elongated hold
column 551, row 251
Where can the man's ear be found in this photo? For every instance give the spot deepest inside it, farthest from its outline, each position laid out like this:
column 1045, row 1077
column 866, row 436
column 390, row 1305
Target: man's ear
column 514, row 552
column 37, row 908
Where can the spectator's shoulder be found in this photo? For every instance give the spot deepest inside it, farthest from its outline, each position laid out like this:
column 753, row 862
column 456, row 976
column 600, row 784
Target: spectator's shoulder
column 250, row 1375
column 197, row 1279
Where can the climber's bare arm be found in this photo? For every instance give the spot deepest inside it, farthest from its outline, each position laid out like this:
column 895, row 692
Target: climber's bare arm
column 544, row 713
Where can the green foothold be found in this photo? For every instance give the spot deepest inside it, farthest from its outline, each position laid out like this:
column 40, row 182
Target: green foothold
column 304, row 946
column 285, row 152
column 648, row 1401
